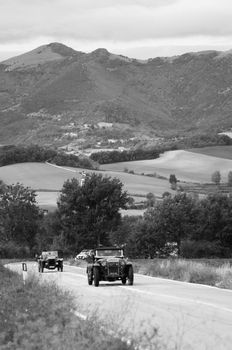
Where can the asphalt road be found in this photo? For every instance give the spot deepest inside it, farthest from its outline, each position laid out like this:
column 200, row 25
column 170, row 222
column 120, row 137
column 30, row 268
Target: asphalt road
column 187, row 316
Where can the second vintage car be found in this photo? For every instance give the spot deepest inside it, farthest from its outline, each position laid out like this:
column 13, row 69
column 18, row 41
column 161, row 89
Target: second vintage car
column 109, row 264
column 50, row 260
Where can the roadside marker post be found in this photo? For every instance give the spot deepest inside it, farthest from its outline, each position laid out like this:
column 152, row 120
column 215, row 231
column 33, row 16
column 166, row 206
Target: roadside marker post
column 24, row 267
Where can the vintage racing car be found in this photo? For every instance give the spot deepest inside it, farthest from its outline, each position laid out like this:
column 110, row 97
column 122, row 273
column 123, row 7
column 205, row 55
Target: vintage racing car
column 109, row 264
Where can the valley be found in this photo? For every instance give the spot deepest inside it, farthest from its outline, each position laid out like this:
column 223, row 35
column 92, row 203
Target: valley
column 192, row 169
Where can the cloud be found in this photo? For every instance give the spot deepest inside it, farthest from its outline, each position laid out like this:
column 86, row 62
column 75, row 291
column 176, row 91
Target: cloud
column 112, row 22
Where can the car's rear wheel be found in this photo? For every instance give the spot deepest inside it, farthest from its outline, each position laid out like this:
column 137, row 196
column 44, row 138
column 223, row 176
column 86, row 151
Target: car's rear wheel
column 96, row 276
column 130, row 276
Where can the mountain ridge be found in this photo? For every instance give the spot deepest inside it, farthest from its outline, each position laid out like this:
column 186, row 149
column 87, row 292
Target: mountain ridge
column 54, row 90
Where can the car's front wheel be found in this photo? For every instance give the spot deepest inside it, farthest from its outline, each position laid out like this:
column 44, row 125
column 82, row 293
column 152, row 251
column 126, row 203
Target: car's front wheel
column 123, row 280
column 96, row 276
column 130, row 276
column 90, row 277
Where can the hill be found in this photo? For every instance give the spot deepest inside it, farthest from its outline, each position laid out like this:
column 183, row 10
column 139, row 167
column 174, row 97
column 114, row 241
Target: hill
column 188, row 166
column 56, row 95
column 215, row 151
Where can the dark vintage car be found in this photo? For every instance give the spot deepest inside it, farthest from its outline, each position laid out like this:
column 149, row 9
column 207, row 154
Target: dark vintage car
column 109, row 264
column 50, row 260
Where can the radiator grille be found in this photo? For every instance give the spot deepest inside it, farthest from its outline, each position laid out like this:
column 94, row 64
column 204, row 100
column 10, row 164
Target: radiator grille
column 113, row 268
column 52, row 262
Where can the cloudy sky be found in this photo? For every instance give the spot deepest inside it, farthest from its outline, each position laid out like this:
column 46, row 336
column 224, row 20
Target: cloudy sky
column 136, row 28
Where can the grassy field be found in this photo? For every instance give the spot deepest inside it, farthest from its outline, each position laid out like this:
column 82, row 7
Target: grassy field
column 193, row 166
column 215, row 151
column 48, row 180
column 187, row 166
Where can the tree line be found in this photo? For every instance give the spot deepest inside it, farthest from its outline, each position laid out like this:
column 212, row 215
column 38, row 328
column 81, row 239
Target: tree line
column 88, row 214
column 191, row 227
column 19, row 154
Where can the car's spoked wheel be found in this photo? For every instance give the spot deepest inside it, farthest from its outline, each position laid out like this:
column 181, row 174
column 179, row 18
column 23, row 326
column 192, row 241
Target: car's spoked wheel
column 90, row 278
column 130, row 276
column 96, row 276
column 123, row 280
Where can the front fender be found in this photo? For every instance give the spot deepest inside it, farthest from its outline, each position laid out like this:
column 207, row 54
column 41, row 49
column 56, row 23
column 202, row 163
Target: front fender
column 96, row 264
column 91, row 267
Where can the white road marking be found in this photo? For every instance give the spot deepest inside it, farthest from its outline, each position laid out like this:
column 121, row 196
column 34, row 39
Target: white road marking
column 186, row 283
column 187, row 300
column 75, row 274
column 75, row 267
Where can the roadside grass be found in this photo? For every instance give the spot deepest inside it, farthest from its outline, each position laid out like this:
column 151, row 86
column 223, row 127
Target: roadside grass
column 39, row 315
column 187, row 271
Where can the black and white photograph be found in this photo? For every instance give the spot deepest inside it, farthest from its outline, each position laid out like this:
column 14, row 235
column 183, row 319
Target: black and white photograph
column 115, row 175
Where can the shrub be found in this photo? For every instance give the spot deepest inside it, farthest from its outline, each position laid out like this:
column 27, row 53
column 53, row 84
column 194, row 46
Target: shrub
column 12, row 250
column 201, row 249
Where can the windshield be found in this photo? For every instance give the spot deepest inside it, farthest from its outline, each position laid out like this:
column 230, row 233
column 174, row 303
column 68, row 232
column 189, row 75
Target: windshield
column 109, row 252
column 49, row 254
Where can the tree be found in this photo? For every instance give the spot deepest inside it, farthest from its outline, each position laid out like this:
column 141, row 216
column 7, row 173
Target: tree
column 19, row 215
column 216, row 177
column 173, row 181
column 174, row 219
column 49, row 233
column 125, row 235
column 150, row 199
column 230, row 178
column 2, row 187
column 88, row 213
column 166, row 194
column 215, row 219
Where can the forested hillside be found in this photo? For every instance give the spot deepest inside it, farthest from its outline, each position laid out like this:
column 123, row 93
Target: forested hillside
column 53, row 94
